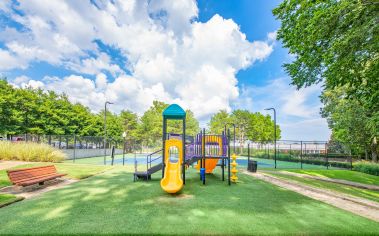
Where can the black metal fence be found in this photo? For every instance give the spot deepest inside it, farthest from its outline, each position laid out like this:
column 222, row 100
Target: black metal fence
column 296, row 154
column 67, row 141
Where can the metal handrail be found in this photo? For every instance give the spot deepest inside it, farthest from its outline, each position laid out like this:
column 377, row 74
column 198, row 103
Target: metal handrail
column 148, row 159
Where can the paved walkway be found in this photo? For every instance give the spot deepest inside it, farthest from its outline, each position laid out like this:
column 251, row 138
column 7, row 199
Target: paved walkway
column 359, row 206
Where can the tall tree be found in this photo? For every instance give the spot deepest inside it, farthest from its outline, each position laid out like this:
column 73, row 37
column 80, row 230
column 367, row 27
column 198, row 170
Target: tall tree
column 261, row 128
column 130, row 124
column 243, row 122
column 9, row 115
column 219, row 121
column 151, row 123
column 336, row 42
column 252, row 126
column 348, row 121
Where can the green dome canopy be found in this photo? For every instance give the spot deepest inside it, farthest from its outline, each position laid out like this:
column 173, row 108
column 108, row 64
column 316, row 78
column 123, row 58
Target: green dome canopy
column 174, row 112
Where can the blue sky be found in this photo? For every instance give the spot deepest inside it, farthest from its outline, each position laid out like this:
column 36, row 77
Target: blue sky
column 204, row 55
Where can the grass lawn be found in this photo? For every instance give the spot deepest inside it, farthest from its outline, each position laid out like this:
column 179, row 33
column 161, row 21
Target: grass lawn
column 358, row 192
column 342, row 174
column 7, row 199
column 110, row 203
column 75, row 171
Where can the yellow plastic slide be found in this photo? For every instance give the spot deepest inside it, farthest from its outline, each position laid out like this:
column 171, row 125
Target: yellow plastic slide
column 172, row 181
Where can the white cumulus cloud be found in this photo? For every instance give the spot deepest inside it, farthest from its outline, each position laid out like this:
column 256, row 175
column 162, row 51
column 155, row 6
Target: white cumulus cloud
column 167, row 53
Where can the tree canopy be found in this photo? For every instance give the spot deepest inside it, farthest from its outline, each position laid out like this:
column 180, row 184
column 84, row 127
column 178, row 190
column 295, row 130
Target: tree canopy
column 336, row 42
column 249, row 126
column 34, row 111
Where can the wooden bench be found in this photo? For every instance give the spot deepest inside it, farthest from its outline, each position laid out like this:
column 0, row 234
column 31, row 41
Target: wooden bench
column 35, row 175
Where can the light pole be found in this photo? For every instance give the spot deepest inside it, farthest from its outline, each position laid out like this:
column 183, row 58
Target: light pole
column 105, row 129
column 123, row 150
column 274, row 131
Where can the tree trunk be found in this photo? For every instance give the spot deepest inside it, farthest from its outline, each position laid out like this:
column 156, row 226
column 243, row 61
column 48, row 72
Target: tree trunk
column 374, row 150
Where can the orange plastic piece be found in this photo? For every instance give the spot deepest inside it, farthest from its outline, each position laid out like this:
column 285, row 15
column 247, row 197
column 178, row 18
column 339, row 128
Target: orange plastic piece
column 210, row 164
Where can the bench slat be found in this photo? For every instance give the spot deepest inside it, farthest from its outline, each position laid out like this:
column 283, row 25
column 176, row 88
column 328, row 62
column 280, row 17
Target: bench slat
column 33, row 175
column 35, row 181
column 21, row 175
column 31, row 168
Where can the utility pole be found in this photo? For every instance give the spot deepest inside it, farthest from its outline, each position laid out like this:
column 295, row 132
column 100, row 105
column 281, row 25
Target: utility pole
column 274, row 131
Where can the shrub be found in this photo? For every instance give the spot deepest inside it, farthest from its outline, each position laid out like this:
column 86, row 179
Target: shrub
column 27, row 151
column 367, row 167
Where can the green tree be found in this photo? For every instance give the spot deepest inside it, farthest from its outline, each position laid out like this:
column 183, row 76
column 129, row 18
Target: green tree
column 9, row 117
column 261, row 128
column 251, row 126
column 219, row 121
column 150, row 128
column 130, row 125
column 336, row 42
column 348, row 121
column 333, row 41
column 243, row 122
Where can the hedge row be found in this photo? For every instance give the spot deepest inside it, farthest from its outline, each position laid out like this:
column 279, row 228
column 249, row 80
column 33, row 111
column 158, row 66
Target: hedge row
column 367, row 167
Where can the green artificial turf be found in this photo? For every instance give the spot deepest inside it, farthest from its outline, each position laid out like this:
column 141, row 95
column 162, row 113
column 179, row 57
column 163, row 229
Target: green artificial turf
column 111, row 203
column 4, row 180
column 6, row 199
column 358, row 192
column 75, row 171
column 349, row 175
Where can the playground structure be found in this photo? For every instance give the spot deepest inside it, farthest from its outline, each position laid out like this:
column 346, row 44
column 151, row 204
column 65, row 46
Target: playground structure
column 180, row 151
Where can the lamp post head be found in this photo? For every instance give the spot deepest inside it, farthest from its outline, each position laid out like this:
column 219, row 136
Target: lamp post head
column 108, row 102
column 124, row 134
column 271, row 108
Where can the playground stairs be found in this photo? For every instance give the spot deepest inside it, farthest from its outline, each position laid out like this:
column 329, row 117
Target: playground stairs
column 150, row 168
column 146, row 175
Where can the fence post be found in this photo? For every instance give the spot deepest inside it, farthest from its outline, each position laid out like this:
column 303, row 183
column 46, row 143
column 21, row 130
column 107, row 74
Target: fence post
column 112, row 154
column 248, row 155
column 326, row 156
column 74, row 148
column 301, row 154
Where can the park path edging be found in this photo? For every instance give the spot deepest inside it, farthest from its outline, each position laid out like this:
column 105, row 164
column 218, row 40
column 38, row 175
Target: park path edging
column 359, row 206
